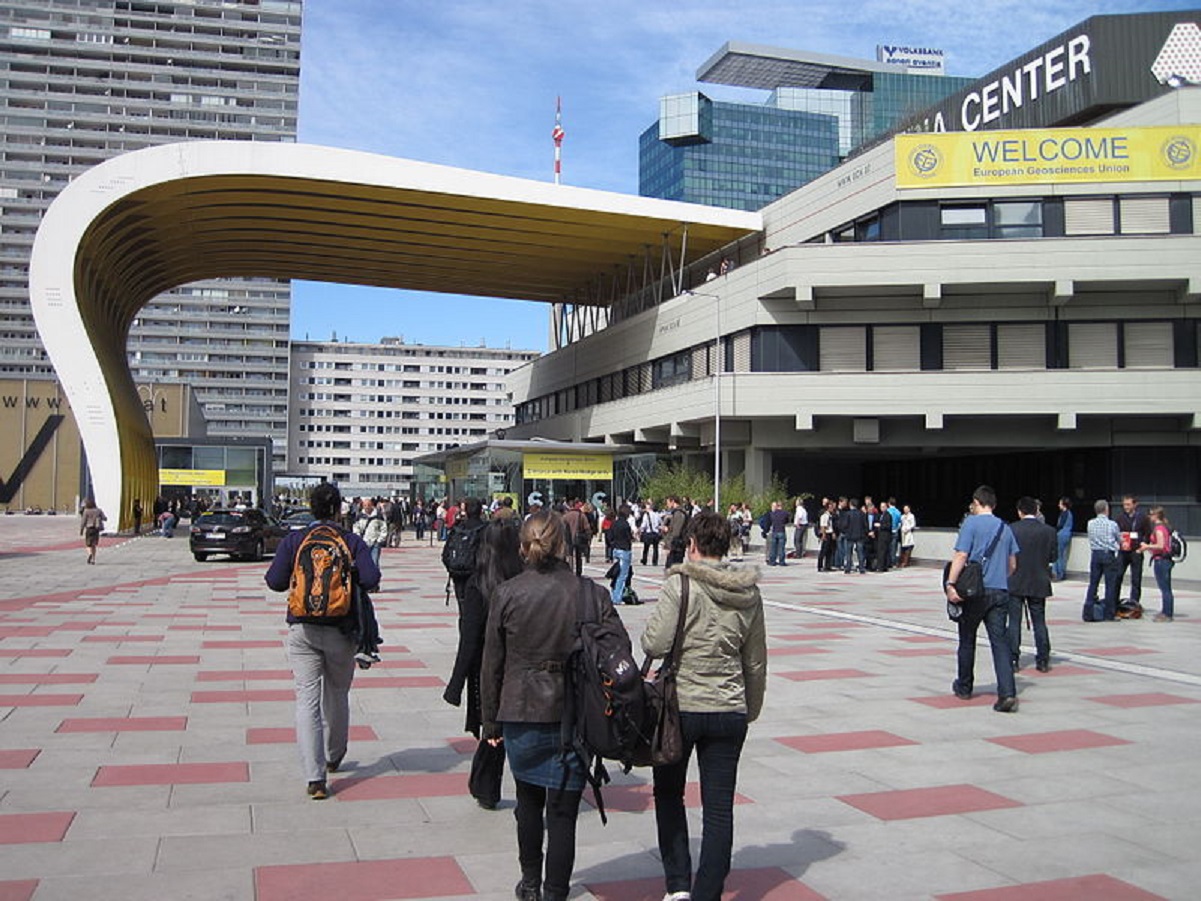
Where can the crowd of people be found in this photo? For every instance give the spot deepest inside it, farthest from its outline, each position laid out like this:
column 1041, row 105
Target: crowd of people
column 864, row 536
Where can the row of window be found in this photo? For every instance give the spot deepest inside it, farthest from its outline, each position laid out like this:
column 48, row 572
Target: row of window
column 1039, row 217
column 1123, row 344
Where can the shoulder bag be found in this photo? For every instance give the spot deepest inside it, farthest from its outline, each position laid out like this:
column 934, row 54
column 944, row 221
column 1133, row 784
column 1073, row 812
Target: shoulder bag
column 970, row 584
column 667, row 736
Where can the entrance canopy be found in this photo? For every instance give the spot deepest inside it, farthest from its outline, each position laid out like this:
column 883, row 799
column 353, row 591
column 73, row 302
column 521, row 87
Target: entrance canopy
column 152, row 220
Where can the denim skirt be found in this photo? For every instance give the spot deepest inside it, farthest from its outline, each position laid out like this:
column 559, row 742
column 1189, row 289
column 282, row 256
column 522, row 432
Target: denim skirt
column 535, row 756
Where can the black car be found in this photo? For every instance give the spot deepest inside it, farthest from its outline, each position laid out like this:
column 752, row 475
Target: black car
column 298, row 520
column 243, row 534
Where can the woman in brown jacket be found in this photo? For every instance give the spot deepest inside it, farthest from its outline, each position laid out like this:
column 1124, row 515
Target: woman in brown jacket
column 531, row 629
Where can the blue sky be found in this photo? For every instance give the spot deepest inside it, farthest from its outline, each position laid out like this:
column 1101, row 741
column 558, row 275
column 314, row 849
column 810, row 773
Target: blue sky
column 472, row 83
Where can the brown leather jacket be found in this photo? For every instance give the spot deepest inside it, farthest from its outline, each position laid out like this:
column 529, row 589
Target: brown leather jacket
column 531, row 628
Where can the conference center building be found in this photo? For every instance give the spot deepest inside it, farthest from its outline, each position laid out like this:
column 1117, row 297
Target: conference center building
column 1009, row 295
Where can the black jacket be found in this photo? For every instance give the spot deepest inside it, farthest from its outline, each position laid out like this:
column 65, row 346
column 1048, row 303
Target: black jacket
column 531, row 629
column 1038, row 548
column 621, row 537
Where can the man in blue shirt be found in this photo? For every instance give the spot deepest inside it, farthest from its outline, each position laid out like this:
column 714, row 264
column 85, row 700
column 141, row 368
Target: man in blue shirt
column 1104, row 541
column 977, row 533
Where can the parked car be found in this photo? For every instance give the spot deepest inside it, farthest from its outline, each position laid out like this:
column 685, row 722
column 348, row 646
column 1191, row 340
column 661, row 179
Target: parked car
column 243, row 534
column 298, row 520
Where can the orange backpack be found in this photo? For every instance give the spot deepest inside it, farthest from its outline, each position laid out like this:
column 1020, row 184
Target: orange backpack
column 321, row 576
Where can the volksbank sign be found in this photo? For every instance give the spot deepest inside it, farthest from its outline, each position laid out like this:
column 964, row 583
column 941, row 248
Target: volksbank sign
column 914, row 59
column 1104, row 64
column 1049, row 156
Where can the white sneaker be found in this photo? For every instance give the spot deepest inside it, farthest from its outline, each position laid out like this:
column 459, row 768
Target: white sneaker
column 678, row 896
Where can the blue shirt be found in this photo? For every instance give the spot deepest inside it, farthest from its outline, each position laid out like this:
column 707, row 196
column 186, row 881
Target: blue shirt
column 974, row 538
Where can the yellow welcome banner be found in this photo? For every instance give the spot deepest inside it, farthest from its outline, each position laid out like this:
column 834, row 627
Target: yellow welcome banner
column 1048, row 156
column 567, row 466
column 207, row 478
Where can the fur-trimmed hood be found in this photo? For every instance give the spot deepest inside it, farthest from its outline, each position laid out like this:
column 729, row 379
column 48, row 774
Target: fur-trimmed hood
column 728, row 585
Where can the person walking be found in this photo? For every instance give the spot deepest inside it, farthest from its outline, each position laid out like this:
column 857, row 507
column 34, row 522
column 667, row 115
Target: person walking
column 497, row 560
column 1030, row 583
column 981, row 531
column 777, row 538
column 530, row 633
column 372, row 528
column 1063, row 534
column 721, row 681
column 321, row 650
column 621, row 545
column 1160, row 549
column 91, row 524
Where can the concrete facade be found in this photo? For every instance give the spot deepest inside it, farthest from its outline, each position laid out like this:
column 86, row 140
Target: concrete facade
column 917, row 351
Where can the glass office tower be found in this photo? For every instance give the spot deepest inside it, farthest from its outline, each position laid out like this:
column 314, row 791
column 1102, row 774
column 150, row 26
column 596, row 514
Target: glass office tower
column 821, row 110
column 85, row 80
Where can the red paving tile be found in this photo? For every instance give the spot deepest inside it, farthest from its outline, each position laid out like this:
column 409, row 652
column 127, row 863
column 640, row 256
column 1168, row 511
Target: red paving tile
column 1062, row 669
column 938, row 801
column 813, row 675
column 122, row 638
column 919, row 652
column 18, row 759
column 219, row 645
column 364, row 880
column 640, row 798
column 37, row 700
column 1065, row 740
column 813, row 636
column 286, row 735
column 1147, row 699
column 25, row 631
column 244, row 675
column 795, row 650
column 1094, row 888
column 462, row 744
column 418, row 785
column 845, row 741
column 398, row 682
column 948, row 701
column 768, row 884
column 171, row 774
column 47, row 678
column 188, row 627
column 153, row 660
column 1119, row 651
column 18, row 889
column 17, row 654
column 243, row 696
column 921, row 639
column 418, row 626
column 124, row 724
column 27, row 828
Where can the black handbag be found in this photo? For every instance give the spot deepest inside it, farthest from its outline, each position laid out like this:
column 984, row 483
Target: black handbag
column 667, row 735
column 970, row 584
column 487, row 770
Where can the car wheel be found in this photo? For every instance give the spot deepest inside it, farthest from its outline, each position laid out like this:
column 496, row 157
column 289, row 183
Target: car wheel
column 200, row 558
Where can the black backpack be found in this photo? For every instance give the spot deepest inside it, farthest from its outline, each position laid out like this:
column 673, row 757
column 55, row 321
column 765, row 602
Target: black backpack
column 458, row 553
column 607, row 714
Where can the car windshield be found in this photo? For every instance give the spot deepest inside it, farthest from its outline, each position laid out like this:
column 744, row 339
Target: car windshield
column 300, row 516
column 221, row 519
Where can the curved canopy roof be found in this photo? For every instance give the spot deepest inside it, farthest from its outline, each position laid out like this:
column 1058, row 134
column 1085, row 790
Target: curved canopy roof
column 152, row 220
column 755, row 66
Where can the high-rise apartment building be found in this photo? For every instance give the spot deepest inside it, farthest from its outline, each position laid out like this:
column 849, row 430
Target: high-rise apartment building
column 84, row 80
column 821, row 109
column 360, row 413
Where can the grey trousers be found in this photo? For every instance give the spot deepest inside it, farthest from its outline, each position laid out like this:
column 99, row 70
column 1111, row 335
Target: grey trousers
column 322, row 660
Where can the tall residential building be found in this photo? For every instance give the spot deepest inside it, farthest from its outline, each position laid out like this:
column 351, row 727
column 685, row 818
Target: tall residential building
column 84, row 80
column 360, row 413
column 821, row 109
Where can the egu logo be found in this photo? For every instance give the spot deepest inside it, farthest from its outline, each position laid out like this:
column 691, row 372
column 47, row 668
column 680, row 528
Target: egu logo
column 924, row 160
column 1179, row 152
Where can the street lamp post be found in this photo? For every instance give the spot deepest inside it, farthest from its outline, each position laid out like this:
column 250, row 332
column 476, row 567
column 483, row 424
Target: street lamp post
column 718, row 363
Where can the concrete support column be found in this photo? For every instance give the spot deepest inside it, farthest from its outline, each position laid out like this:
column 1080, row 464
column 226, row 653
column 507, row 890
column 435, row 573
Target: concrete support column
column 758, row 469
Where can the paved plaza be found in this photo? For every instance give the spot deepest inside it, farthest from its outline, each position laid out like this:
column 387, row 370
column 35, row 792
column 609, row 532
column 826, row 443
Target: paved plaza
column 146, row 747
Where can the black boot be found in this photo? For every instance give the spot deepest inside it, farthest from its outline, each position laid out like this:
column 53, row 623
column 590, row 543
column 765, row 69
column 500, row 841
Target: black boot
column 529, row 890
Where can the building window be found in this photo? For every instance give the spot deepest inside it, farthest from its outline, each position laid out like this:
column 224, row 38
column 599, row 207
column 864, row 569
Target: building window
column 843, row 349
column 1021, row 345
column 1148, row 345
column 1088, row 216
column 1092, row 345
column 1018, row 219
column 964, row 222
column 1144, row 215
column 896, row 348
column 967, row 347
column 673, row 370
